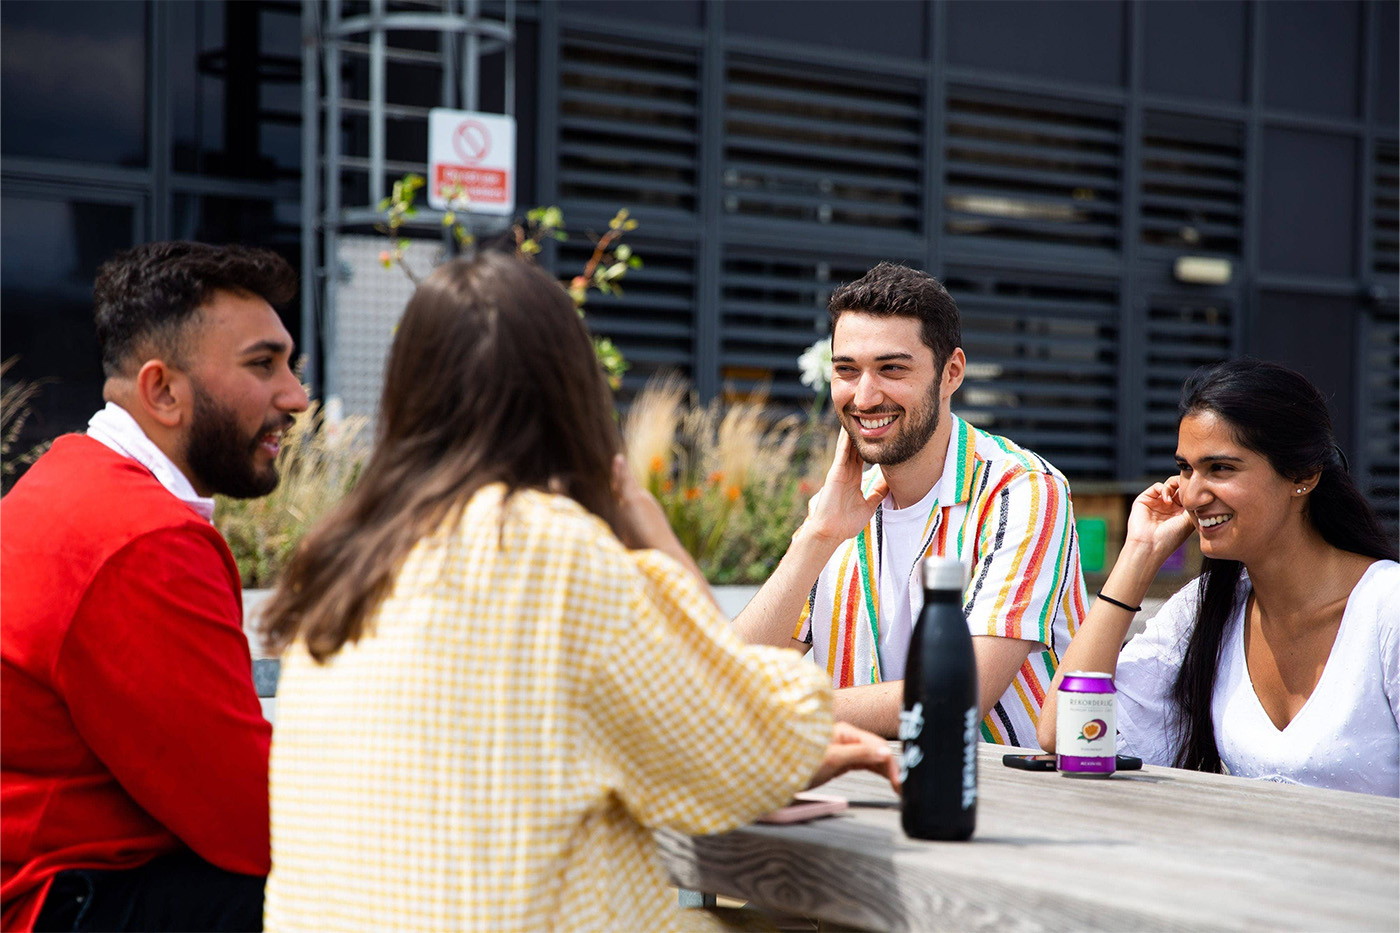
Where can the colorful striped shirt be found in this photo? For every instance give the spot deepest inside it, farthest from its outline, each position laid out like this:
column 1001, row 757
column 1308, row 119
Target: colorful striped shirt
column 529, row 702
column 1005, row 512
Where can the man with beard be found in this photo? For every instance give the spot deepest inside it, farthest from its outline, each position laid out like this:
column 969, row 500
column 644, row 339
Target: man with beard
column 133, row 760
column 851, row 580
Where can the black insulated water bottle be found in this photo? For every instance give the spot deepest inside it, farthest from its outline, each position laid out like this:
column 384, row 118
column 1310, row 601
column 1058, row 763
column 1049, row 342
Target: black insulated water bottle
column 940, row 722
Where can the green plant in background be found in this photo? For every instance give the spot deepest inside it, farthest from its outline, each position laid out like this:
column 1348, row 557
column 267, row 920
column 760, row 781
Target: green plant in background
column 16, row 404
column 398, row 209
column 605, row 269
column 319, row 462
column 734, row 479
column 606, row 266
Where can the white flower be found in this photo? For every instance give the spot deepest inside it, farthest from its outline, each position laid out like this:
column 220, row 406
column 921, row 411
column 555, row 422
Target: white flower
column 815, row 363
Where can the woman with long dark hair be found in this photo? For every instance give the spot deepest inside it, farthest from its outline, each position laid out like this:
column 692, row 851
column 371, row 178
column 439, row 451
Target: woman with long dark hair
column 1283, row 660
column 487, row 699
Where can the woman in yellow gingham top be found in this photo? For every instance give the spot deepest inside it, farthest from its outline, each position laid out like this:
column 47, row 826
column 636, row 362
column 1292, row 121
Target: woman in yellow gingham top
column 488, row 700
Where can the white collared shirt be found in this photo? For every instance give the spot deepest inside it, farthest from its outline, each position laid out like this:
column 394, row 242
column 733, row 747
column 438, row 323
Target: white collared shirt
column 114, row 427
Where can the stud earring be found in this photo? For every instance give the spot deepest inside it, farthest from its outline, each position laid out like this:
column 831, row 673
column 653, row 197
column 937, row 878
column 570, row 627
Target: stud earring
column 1302, row 489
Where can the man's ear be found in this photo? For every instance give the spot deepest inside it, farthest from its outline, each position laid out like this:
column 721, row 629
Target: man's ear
column 953, row 372
column 164, row 393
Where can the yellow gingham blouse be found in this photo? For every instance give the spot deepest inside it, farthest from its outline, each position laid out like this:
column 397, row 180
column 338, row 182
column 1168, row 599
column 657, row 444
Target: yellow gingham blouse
column 493, row 754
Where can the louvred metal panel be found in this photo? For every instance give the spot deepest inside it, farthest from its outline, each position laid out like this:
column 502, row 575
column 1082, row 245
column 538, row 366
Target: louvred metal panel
column 628, row 128
column 1385, row 210
column 1023, row 169
column 1183, row 332
column 1042, row 354
column 812, row 145
column 1192, row 185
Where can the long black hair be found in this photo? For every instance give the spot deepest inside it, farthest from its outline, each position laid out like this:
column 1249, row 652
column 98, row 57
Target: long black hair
column 1280, row 415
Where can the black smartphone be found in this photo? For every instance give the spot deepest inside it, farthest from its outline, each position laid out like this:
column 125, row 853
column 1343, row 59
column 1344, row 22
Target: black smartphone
column 1047, row 762
column 1029, row 762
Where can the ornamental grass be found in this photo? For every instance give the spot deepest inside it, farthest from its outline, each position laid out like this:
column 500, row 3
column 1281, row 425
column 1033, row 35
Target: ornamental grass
column 319, row 461
column 734, row 479
column 16, row 405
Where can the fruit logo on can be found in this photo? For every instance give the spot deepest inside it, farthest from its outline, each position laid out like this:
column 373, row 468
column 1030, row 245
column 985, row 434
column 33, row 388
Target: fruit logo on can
column 1093, row 729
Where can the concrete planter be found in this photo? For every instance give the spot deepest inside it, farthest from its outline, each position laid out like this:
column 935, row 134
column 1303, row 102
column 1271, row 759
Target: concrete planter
column 252, row 606
column 732, row 599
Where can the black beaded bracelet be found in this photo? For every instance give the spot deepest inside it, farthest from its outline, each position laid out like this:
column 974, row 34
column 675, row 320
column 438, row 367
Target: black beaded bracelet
column 1111, row 601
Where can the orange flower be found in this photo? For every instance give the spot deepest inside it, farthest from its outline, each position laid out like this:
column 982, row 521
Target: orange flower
column 732, row 493
column 806, row 488
column 691, row 493
column 667, row 486
column 715, row 478
column 657, row 464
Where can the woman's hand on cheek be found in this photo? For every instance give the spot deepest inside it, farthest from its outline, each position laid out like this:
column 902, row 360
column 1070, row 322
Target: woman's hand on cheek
column 1158, row 520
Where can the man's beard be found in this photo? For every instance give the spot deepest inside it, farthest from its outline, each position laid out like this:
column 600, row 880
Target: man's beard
column 916, row 428
column 220, row 458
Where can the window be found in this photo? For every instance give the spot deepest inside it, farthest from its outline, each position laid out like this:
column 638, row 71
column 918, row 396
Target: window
column 74, row 80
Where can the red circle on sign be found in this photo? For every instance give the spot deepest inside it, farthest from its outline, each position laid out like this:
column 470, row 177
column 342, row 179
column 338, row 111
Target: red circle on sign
column 471, row 141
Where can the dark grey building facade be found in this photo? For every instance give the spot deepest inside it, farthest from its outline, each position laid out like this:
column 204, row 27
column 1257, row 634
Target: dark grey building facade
column 1053, row 162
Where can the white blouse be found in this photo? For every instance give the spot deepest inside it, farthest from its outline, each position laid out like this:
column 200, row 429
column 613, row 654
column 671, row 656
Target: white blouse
column 1347, row 734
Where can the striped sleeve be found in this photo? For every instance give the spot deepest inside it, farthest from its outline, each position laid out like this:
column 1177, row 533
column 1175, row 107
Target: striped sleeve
column 803, row 632
column 1025, row 543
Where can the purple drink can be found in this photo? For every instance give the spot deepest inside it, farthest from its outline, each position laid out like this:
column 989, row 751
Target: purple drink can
column 1086, row 725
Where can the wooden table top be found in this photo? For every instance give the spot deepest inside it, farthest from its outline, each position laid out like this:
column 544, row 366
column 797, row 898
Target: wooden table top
column 1157, row 849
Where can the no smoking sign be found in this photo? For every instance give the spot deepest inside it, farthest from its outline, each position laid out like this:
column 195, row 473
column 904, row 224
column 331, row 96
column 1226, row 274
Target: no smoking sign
column 471, row 141
column 471, row 161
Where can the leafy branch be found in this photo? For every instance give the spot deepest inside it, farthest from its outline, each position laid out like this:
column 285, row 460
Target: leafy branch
column 606, row 266
column 608, row 263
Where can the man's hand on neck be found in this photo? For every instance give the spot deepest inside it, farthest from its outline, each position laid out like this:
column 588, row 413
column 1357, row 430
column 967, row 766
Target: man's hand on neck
column 839, row 511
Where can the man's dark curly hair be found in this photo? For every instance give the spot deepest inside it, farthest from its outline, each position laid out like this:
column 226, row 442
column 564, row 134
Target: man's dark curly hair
column 145, row 297
column 899, row 291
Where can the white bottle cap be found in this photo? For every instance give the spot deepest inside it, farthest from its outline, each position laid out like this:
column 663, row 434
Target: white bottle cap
column 944, row 573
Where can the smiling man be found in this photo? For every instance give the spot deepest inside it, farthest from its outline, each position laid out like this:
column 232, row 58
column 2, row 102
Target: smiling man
column 133, row 758
column 850, row 582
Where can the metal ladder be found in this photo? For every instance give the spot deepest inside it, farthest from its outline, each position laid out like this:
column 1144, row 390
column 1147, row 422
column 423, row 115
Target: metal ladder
column 343, row 163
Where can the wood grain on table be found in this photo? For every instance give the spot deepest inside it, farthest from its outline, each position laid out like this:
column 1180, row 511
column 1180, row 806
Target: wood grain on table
column 1157, row 849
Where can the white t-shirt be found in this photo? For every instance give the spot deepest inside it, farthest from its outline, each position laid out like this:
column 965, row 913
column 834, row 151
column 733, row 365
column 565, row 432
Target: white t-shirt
column 902, row 531
column 1346, row 736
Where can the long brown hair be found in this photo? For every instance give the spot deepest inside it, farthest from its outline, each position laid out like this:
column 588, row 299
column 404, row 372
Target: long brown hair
column 491, row 378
